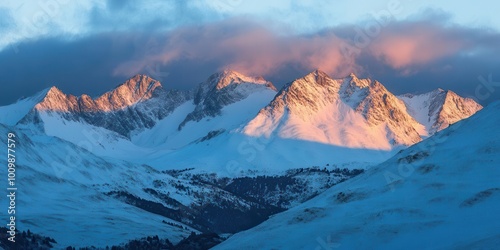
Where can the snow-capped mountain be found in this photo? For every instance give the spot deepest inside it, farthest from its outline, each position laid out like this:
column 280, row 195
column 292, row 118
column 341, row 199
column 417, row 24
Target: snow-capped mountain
column 134, row 105
column 136, row 89
column 222, row 89
column 438, row 109
column 349, row 112
column 348, row 121
column 442, row 193
column 221, row 103
column 340, row 120
column 356, row 113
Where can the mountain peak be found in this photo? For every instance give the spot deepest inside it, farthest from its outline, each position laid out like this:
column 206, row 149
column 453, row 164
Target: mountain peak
column 55, row 100
column 352, row 76
column 53, row 88
column 317, row 73
column 439, row 108
column 229, row 72
column 334, row 106
column 228, row 77
column 139, row 84
column 225, row 88
column 354, row 80
column 308, row 81
column 53, row 91
column 138, row 88
column 456, row 108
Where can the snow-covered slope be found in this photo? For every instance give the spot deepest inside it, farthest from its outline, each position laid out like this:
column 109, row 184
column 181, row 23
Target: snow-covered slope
column 61, row 191
column 438, row 109
column 68, row 193
column 443, row 193
column 12, row 114
column 234, row 155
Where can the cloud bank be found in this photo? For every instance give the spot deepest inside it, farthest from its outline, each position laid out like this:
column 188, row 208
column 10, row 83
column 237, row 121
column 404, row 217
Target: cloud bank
column 407, row 56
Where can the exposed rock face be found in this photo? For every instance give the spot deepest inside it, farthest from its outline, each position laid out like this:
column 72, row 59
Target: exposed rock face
column 222, row 89
column 348, row 112
column 134, row 105
column 352, row 112
column 439, row 108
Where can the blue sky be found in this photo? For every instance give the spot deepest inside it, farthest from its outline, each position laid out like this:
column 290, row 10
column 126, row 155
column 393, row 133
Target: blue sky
column 91, row 46
column 33, row 19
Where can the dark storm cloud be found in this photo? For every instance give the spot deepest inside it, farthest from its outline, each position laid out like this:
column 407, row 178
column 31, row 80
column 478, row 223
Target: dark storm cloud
column 86, row 65
column 407, row 56
column 76, row 67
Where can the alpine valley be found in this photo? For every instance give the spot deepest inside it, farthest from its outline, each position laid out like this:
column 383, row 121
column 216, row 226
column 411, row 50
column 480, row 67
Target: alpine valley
column 237, row 161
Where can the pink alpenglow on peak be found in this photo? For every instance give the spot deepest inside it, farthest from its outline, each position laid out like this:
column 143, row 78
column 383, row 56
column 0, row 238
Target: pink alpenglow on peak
column 136, row 89
column 230, row 77
column 351, row 112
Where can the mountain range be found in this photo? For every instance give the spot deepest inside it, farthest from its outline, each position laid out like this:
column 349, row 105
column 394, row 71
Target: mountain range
column 221, row 157
column 348, row 112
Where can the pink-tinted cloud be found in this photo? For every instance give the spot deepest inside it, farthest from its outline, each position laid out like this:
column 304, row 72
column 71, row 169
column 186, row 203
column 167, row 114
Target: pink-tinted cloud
column 247, row 47
column 256, row 49
column 415, row 44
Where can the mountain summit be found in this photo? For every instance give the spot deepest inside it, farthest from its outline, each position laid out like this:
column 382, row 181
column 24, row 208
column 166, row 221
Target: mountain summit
column 224, row 88
column 356, row 113
column 438, row 109
column 229, row 77
column 350, row 112
column 134, row 105
column 136, row 89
